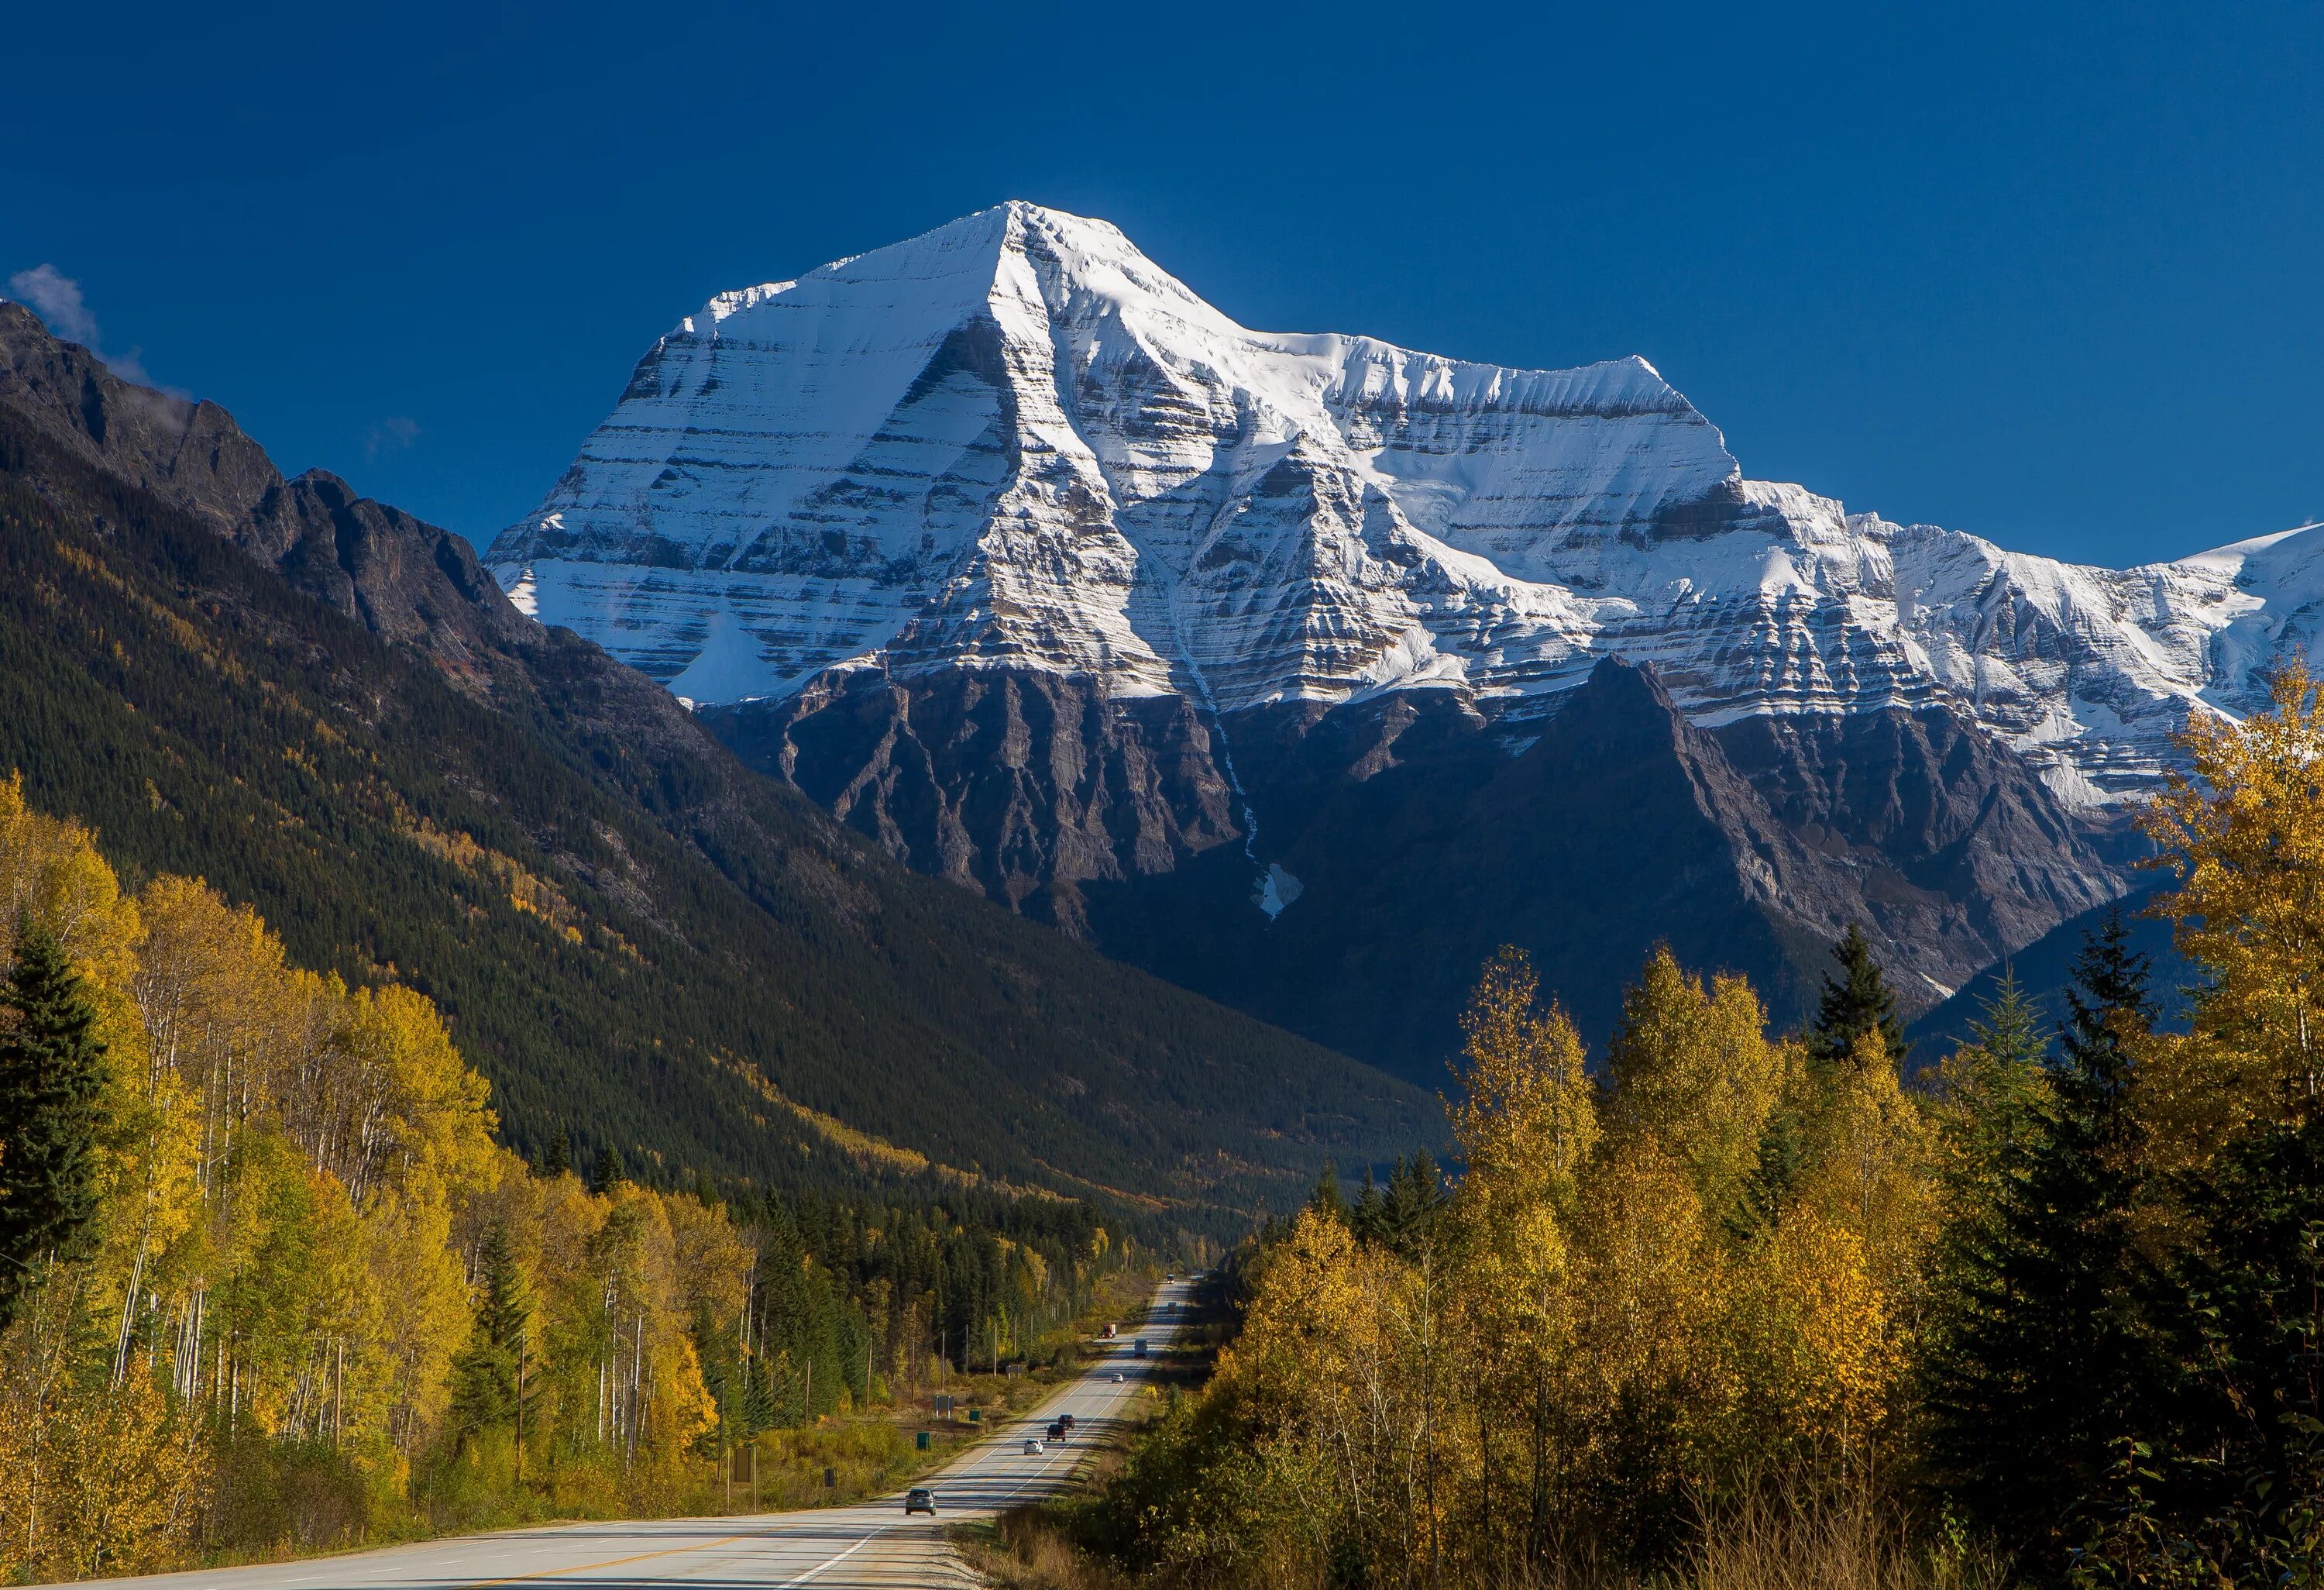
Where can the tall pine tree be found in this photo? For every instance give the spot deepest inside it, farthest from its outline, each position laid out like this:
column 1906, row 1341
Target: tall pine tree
column 1368, row 1217
column 1855, row 1003
column 558, row 1158
column 1327, row 1198
column 1416, row 1194
column 51, row 1075
column 2043, row 1356
column 1993, row 1090
column 489, row 1373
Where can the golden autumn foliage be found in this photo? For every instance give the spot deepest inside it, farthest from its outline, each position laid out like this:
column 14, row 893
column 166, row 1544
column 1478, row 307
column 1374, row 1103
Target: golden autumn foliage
column 2243, row 830
column 1616, row 1317
column 1743, row 1305
column 1693, row 1071
column 296, row 1178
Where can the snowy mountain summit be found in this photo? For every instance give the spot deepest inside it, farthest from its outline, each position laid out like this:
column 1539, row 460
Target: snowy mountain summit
column 1017, row 442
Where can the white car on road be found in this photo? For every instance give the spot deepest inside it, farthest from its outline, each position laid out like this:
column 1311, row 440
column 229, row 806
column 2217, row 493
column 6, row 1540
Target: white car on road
column 1034, row 1448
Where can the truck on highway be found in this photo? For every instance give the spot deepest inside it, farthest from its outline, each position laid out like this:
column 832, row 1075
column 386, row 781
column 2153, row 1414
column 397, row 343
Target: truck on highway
column 1137, row 1348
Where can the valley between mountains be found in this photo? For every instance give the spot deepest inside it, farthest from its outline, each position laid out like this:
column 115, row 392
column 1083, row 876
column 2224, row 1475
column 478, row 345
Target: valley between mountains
column 980, row 786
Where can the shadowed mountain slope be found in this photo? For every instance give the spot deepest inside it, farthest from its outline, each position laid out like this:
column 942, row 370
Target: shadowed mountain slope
column 327, row 708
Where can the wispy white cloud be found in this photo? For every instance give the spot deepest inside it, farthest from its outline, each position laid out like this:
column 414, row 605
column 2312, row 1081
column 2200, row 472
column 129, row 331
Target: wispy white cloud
column 56, row 298
column 390, row 435
column 131, row 366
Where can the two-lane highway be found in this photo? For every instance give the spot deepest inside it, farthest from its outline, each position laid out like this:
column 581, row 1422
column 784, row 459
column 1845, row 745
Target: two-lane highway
column 871, row 1543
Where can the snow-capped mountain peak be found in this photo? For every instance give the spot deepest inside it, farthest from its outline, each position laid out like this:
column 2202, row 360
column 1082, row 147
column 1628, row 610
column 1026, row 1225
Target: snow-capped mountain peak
column 1017, row 441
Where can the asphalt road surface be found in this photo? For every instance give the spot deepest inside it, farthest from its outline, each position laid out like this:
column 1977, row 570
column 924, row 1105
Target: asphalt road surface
column 869, row 1544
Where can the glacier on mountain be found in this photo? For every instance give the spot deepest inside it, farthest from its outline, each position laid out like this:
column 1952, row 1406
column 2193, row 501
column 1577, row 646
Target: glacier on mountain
column 1017, row 441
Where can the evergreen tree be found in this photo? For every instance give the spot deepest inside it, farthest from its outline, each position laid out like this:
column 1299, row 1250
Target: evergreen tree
column 2010, row 1029
column 1782, row 1157
column 1994, row 1087
column 488, row 1372
column 559, row 1160
column 610, row 1172
column 2250, row 1331
column 51, row 1073
column 1327, row 1199
column 1415, row 1194
column 2108, row 1009
column 1857, row 1001
column 1368, row 1217
column 2042, row 1359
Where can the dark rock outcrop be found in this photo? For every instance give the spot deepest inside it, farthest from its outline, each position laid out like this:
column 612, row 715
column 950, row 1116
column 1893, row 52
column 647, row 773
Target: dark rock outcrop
column 408, row 581
column 1024, row 785
column 1419, row 842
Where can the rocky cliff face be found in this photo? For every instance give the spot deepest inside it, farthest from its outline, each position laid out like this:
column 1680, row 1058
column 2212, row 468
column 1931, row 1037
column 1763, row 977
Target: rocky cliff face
column 1024, row 784
column 408, row 581
column 1398, row 841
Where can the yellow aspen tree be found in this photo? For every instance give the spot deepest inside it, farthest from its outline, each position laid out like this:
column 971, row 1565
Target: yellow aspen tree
column 1813, row 1345
column 1651, row 1284
column 2242, row 829
column 1872, row 1164
column 1327, row 1367
column 421, row 1317
column 51, row 873
column 426, row 1130
column 1527, row 1119
column 1527, row 1124
column 1691, row 1068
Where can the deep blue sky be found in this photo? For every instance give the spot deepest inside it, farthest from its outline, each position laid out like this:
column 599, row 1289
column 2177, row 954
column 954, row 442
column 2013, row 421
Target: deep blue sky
column 2048, row 273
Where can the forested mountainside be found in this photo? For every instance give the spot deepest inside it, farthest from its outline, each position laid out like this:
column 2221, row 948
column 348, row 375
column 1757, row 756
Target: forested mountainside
column 327, row 710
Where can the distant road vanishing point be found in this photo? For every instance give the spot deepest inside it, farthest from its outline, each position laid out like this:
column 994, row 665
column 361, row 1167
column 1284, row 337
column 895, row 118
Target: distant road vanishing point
column 857, row 1548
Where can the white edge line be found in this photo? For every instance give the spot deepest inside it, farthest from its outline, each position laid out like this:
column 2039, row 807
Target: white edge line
column 842, row 1556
